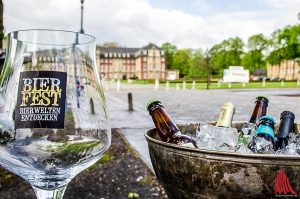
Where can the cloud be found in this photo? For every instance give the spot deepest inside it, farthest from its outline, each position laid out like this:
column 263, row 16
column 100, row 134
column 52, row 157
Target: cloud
column 134, row 23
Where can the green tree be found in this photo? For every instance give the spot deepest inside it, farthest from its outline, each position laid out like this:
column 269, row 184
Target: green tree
column 275, row 56
column 169, row 49
column 227, row 53
column 234, row 52
column 290, row 39
column 182, row 61
column 257, row 42
column 254, row 58
column 198, row 66
column 217, row 58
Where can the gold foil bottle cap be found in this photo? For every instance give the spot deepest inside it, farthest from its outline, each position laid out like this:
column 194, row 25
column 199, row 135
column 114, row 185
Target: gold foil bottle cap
column 226, row 115
column 229, row 105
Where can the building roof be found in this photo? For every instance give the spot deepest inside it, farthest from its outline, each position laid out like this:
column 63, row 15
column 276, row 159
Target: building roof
column 124, row 49
column 150, row 45
column 117, row 50
column 133, row 52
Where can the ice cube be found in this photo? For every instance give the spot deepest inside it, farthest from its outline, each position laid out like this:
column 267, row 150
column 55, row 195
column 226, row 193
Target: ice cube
column 294, row 138
column 293, row 147
column 261, row 145
column 246, row 134
column 216, row 138
column 243, row 149
column 243, row 139
column 249, row 129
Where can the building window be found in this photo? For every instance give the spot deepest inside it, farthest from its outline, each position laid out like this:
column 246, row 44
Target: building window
column 145, row 66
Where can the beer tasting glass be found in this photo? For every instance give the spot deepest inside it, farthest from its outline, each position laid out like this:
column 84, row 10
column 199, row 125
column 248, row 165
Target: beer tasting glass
column 53, row 115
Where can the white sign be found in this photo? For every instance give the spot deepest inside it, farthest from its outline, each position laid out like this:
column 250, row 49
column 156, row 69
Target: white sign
column 236, row 74
column 171, row 75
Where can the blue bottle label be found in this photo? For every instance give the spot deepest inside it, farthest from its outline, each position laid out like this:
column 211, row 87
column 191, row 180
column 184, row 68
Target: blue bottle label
column 265, row 131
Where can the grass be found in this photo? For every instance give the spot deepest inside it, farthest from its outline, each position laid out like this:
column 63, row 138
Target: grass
column 248, row 85
column 107, row 157
column 214, row 85
column 139, row 81
column 146, row 181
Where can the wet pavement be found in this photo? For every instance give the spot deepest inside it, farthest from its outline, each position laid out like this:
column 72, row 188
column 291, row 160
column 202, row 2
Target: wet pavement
column 188, row 106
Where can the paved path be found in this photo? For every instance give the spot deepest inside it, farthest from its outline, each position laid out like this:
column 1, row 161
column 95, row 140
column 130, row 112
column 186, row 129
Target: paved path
column 186, row 106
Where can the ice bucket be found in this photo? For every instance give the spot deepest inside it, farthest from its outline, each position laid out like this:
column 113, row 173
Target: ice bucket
column 187, row 173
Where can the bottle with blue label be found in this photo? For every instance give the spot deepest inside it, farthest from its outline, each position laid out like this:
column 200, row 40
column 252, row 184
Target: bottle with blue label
column 266, row 128
column 248, row 129
column 263, row 141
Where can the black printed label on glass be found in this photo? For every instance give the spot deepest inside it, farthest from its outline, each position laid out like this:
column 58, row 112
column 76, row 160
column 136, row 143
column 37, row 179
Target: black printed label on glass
column 41, row 100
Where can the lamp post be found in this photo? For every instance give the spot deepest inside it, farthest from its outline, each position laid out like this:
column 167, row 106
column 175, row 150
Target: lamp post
column 208, row 68
column 81, row 19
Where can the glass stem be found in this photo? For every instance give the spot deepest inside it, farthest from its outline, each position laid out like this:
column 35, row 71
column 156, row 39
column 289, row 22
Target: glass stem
column 49, row 194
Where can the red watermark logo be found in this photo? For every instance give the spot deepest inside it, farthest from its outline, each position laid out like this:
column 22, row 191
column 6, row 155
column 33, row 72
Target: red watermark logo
column 282, row 186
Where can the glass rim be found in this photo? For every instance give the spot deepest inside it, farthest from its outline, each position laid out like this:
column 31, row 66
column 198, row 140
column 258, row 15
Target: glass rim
column 91, row 39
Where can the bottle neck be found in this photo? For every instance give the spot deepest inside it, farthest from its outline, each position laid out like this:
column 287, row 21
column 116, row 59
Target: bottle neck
column 259, row 110
column 286, row 126
column 165, row 127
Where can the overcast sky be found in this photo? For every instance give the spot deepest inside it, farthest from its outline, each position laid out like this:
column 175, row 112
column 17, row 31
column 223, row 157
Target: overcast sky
column 135, row 23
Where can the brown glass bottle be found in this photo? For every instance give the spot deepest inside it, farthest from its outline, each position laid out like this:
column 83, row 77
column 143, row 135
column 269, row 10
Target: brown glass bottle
column 166, row 128
column 260, row 108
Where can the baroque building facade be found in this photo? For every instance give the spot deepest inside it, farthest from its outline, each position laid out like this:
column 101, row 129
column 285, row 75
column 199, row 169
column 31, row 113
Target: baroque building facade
column 123, row 63
column 288, row 70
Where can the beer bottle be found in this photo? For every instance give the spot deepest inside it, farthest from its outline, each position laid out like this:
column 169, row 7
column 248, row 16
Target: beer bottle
column 260, row 108
column 286, row 127
column 265, row 128
column 166, row 128
column 226, row 115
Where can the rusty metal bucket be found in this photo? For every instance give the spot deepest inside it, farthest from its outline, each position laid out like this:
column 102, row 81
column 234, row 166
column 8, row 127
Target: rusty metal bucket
column 196, row 173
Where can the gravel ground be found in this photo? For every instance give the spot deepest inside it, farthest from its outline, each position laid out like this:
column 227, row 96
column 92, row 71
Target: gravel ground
column 119, row 174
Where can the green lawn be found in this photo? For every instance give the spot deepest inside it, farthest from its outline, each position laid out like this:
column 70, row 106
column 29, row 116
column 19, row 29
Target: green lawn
column 214, row 85
column 240, row 85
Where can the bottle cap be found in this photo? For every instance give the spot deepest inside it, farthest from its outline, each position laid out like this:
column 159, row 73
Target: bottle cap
column 263, row 98
column 267, row 118
column 152, row 103
column 287, row 114
column 228, row 105
column 226, row 115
